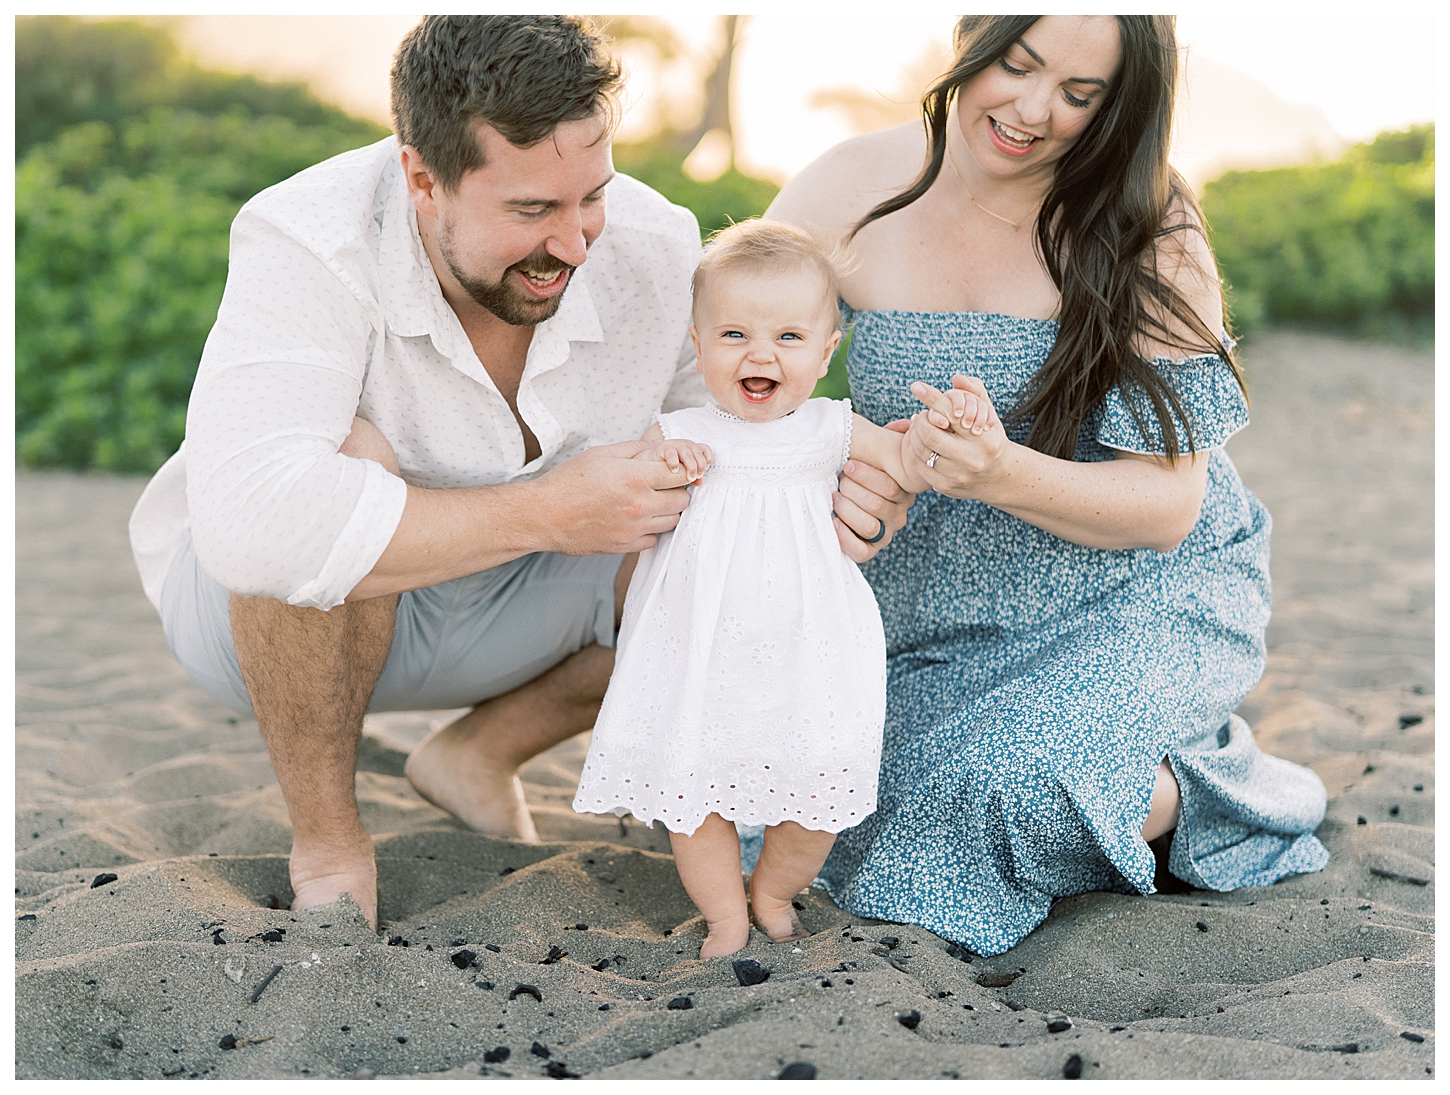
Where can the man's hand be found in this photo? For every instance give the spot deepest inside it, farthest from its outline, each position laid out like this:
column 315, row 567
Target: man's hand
column 867, row 500
column 606, row 502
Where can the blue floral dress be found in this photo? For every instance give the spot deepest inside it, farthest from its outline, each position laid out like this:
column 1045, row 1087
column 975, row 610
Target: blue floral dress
column 1034, row 685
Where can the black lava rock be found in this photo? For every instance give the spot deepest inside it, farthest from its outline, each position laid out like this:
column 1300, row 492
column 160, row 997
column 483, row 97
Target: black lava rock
column 538, row 1049
column 1407, row 721
column 1348, row 1047
column 797, row 906
column 229, row 1041
column 495, row 1055
column 960, row 953
column 29, row 916
column 680, row 1003
column 890, row 942
column 1200, row 925
column 553, row 956
column 1072, row 1070
column 274, row 935
column 1411, row 1036
column 749, row 972
column 463, row 959
column 522, row 989
column 798, row 1070
column 558, row 1070
column 493, row 947
column 991, row 980
column 103, row 878
column 1394, row 812
column 911, row 1020
column 485, row 985
column 398, row 941
column 1056, row 1024
column 1361, row 820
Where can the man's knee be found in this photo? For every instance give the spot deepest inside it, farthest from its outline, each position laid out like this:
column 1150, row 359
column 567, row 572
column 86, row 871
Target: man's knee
column 366, row 442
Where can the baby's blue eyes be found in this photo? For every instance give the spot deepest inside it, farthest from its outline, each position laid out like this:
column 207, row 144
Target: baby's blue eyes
column 739, row 334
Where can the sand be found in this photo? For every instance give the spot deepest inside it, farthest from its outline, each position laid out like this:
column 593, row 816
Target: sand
column 125, row 768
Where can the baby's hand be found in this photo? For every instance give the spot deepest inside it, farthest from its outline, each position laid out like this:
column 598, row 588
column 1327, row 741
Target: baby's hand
column 678, row 453
column 971, row 408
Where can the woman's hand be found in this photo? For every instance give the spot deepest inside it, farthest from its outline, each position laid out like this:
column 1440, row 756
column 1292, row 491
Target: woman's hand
column 964, row 431
column 1133, row 501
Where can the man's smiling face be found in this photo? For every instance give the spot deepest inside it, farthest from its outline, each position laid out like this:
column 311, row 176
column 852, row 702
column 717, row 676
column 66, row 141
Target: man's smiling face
column 513, row 231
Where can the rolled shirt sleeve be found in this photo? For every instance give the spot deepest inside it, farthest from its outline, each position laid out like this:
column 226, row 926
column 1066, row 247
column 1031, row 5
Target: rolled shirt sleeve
column 275, row 510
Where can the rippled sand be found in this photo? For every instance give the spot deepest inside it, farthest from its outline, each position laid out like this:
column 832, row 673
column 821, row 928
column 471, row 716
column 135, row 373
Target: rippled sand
column 124, row 767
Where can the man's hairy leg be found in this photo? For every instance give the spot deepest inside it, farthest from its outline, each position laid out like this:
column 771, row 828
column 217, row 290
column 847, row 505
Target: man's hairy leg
column 471, row 766
column 310, row 674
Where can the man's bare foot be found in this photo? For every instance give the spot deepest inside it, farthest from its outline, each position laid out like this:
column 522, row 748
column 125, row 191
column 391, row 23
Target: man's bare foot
column 777, row 919
column 726, row 937
column 321, row 873
column 450, row 771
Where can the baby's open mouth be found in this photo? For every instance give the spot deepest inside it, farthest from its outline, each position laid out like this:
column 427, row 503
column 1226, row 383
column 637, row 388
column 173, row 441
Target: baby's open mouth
column 758, row 389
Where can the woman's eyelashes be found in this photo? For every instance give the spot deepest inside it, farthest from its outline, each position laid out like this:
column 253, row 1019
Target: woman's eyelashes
column 1072, row 100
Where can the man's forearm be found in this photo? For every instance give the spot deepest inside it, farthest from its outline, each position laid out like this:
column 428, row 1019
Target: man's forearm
column 447, row 534
column 602, row 502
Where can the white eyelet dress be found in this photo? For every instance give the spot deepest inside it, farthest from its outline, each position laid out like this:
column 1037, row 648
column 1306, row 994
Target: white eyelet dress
column 750, row 678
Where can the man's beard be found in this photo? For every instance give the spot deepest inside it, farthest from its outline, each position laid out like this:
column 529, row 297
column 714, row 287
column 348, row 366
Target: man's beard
column 504, row 298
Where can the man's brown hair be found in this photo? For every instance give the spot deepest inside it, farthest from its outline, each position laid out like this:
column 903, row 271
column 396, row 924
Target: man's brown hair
column 521, row 74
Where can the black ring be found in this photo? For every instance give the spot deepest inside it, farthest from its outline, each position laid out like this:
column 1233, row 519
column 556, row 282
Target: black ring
column 879, row 536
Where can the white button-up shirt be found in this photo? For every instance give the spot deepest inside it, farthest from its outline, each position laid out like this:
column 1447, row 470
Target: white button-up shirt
column 331, row 310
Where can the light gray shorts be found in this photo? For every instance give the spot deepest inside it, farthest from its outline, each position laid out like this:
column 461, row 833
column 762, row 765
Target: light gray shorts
column 454, row 644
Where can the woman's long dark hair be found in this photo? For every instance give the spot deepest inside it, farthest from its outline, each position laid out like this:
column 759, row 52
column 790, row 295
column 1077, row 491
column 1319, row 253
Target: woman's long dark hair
column 1100, row 234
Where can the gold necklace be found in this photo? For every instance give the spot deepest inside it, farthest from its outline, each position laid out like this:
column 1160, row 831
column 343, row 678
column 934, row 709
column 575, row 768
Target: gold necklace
column 1015, row 224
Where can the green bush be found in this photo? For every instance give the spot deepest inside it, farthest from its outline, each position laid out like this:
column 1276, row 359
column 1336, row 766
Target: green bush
column 134, row 166
column 716, row 204
column 1348, row 245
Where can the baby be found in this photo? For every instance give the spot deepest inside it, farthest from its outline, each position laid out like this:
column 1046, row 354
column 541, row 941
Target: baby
column 749, row 683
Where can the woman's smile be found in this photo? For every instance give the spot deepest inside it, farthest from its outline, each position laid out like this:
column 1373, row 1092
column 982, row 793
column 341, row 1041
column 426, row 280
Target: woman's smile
column 1012, row 141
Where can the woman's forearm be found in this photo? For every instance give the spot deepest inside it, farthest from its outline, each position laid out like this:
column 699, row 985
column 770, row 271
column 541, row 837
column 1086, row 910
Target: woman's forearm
column 1131, row 502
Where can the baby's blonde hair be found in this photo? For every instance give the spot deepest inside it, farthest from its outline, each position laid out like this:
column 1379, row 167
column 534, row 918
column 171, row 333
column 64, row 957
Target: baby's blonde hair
column 762, row 244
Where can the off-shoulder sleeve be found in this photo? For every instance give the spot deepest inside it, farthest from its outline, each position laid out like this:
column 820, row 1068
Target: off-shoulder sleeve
column 1208, row 393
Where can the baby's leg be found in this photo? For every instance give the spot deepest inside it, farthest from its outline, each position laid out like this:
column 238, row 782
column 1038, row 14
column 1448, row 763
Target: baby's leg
column 790, row 858
column 709, row 866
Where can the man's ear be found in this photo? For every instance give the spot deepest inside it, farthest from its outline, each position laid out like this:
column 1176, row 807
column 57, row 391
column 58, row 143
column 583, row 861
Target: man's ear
column 422, row 186
column 695, row 341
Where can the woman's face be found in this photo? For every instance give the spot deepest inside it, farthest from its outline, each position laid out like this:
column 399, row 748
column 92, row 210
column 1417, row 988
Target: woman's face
column 1024, row 112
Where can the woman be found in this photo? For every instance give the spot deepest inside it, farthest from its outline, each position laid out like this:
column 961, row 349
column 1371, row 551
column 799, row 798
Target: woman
column 1075, row 613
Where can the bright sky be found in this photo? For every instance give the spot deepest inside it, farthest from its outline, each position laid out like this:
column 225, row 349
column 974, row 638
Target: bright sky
column 1365, row 73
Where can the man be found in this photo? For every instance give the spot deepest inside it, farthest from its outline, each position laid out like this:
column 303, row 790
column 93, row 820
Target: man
column 406, row 481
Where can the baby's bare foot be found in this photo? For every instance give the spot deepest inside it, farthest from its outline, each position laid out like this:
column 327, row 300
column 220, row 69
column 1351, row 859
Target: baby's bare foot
column 777, row 919
column 450, row 771
column 726, row 937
